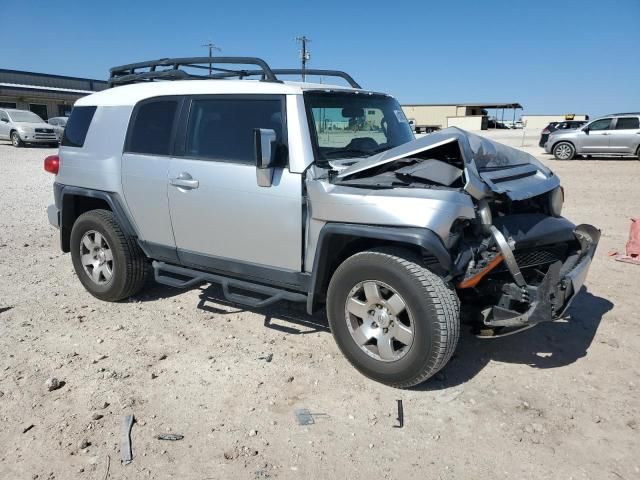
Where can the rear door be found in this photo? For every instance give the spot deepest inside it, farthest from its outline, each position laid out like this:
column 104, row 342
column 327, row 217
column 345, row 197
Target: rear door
column 222, row 219
column 597, row 139
column 145, row 166
column 625, row 135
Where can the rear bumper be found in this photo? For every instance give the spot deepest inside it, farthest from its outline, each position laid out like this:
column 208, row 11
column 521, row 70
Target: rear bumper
column 54, row 215
column 551, row 298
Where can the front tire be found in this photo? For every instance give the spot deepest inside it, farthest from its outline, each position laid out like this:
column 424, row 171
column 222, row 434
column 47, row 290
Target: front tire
column 16, row 141
column 109, row 264
column 394, row 320
column 564, row 151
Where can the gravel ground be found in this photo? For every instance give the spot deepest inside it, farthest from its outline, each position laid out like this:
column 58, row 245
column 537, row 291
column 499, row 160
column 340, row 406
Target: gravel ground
column 559, row 401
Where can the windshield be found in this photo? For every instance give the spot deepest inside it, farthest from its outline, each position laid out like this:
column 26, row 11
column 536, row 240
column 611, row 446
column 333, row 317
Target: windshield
column 25, row 116
column 355, row 125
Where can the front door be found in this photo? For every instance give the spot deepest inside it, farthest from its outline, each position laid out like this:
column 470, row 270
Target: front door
column 221, row 218
column 597, row 139
column 4, row 125
column 625, row 136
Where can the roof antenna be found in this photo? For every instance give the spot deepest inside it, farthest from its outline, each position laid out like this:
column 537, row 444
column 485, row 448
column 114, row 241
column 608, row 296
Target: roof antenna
column 305, row 55
column 212, row 47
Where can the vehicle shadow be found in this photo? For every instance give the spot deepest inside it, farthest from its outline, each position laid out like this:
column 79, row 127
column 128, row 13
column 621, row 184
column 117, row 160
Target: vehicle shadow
column 548, row 345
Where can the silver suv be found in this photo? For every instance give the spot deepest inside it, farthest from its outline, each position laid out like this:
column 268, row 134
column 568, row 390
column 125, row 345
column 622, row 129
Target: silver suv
column 613, row 135
column 23, row 126
column 313, row 193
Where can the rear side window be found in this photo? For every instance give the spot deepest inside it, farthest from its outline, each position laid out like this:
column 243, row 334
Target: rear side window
column 78, row 126
column 628, row 123
column 222, row 129
column 151, row 130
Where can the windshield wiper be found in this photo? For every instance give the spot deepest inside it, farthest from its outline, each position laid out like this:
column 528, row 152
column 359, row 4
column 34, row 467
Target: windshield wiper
column 347, row 153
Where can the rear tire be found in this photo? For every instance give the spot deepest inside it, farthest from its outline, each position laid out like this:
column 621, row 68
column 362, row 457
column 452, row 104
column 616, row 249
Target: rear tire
column 407, row 297
column 16, row 141
column 564, row 151
column 109, row 263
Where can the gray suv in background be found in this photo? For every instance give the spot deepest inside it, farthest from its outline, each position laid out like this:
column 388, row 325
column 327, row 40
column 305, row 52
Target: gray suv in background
column 613, row 135
column 318, row 194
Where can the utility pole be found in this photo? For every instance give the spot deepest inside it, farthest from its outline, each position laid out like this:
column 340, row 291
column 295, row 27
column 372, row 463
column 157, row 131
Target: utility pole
column 304, row 53
column 212, row 47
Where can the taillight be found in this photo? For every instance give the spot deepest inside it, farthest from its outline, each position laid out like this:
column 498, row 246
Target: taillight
column 52, row 164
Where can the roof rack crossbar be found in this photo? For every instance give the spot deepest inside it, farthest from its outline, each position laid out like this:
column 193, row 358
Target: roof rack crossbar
column 128, row 74
column 290, row 71
column 124, row 74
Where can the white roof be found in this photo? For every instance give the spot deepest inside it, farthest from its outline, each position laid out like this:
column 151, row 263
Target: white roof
column 132, row 94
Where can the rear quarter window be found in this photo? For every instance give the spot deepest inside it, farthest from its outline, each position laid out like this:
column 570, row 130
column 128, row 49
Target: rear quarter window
column 78, row 126
column 151, row 127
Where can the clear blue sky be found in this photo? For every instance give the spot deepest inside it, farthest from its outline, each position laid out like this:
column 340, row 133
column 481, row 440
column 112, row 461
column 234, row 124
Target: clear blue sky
column 553, row 56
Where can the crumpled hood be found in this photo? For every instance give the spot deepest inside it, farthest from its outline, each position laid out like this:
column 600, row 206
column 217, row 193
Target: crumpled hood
column 488, row 166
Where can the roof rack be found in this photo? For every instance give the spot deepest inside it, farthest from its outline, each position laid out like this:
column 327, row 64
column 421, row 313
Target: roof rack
column 169, row 69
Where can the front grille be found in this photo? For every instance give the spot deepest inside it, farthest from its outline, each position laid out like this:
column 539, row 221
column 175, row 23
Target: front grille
column 44, row 130
column 544, row 255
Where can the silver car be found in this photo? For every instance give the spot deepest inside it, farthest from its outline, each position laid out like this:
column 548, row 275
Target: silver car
column 318, row 194
column 23, row 126
column 612, row 135
column 58, row 124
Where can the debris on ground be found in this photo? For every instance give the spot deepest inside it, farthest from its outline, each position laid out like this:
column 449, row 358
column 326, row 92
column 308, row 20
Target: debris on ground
column 170, row 436
column 125, row 446
column 84, row 443
column 53, row 384
column 266, row 358
column 27, row 428
column 400, row 417
column 633, row 245
column 304, row 417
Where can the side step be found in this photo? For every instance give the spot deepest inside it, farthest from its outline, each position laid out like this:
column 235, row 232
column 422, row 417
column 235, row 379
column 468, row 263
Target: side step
column 196, row 277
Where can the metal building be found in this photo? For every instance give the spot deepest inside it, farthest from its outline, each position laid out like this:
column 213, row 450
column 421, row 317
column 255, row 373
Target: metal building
column 427, row 117
column 44, row 94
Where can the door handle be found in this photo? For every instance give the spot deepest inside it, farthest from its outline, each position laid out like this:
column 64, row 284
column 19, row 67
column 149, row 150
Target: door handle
column 605, row 133
column 184, row 180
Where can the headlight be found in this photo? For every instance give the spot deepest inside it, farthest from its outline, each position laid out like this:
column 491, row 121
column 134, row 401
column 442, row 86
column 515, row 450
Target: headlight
column 556, row 201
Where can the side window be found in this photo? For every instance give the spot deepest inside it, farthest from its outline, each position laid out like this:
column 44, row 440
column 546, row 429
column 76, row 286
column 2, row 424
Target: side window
column 3, row 116
column 78, row 126
column 604, row 124
column 150, row 132
column 222, row 129
column 628, row 123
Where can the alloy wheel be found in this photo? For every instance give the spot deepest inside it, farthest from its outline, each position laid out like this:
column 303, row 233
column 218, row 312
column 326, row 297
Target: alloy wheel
column 97, row 257
column 379, row 321
column 563, row 151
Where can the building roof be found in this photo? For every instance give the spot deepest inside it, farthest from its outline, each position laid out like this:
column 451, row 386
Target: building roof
column 133, row 93
column 18, row 86
column 483, row 105
column 34, row 80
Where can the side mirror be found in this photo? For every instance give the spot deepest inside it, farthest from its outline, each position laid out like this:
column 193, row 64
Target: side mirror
column 264, row 141
column 5, row 120
column 585, row 129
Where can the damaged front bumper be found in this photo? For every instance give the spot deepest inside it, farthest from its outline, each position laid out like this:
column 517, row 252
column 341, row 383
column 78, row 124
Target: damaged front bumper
column 550, row 298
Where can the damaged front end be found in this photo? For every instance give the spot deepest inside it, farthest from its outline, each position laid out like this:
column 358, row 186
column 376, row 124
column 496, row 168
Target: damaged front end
column 517, row 262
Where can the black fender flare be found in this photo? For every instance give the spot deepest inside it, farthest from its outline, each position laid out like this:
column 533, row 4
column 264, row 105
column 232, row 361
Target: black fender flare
column 64, row 195
column 425, row 239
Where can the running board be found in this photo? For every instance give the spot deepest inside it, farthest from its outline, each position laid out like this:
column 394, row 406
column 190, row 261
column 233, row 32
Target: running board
column 196, row 277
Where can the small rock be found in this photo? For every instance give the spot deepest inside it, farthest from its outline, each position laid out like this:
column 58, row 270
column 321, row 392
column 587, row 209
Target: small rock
column 100, row 340
column 290, row 379
column 162, row 357
column 117, row 328
column 84, row 443
column 96, row 416
column 597, row 419
column 253, row 433
column 105, row 405
column 53, row 384
column 153, row 376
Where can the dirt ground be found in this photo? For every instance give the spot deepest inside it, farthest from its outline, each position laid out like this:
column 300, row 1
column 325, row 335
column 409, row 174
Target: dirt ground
column 559, row 401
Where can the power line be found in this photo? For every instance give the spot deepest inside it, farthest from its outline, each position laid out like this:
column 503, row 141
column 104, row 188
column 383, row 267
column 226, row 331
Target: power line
column 305, row 55
column 212, row 47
